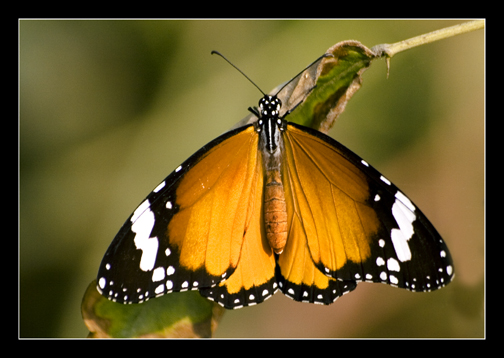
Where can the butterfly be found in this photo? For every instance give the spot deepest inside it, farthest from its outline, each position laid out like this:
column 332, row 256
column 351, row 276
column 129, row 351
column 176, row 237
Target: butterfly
column 268, row 206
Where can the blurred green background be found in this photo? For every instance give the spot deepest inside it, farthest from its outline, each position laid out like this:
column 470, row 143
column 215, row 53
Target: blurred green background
column 109, row 108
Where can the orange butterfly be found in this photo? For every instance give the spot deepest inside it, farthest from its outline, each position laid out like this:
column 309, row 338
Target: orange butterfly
column 267, row 206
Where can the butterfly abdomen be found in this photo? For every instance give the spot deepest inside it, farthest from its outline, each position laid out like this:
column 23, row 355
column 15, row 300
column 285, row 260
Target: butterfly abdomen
column 275, row 211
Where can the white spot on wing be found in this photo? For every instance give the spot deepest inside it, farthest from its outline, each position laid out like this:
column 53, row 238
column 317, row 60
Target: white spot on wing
column 404, row 217
column 139, row 211
column 102, row 282
column 159, row 187
column 403, row 199
column 393, row 280
column 143, row 222
column 158, row 274
column 401, row 246
column 385, row 180
column 393, row 265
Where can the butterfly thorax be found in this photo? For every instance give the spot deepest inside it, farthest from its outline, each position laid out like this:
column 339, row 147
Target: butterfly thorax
column 269, row 126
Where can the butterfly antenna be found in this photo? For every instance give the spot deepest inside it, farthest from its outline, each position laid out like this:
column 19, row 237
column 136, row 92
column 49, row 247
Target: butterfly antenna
column 307, row 67
column 221, row 55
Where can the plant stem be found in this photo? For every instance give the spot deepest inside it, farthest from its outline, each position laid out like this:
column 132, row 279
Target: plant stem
column 389, row 50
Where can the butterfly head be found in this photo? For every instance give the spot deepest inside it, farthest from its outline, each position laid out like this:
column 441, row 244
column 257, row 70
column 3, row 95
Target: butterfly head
column 269, row 106
column 269, row 123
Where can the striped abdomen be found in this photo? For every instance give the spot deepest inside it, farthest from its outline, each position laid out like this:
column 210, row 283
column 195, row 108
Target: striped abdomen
column 275, row 211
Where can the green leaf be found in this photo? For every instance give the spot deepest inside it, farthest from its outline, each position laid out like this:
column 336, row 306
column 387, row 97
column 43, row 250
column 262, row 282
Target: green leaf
column 321, row 95
column 176, row 315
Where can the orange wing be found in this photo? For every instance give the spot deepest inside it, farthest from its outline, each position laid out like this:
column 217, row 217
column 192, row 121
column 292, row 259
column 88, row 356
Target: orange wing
column 313, row 205
column 329, row 195
column 253, row 280
column 347, row 223
column 199, row 227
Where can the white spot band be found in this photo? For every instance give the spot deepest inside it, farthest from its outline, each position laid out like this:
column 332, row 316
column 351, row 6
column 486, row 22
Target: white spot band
column 143, row 223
